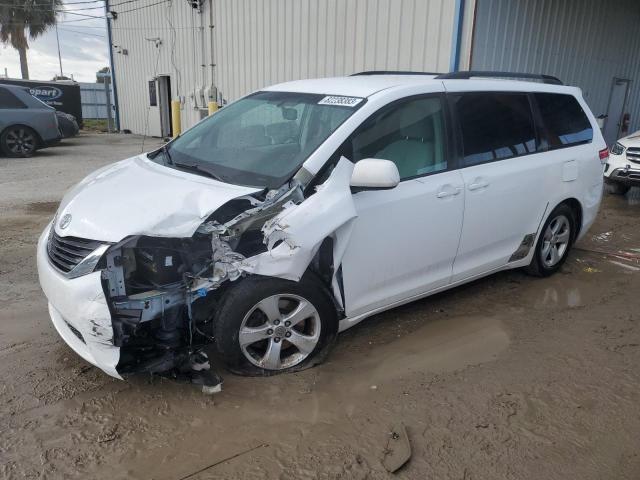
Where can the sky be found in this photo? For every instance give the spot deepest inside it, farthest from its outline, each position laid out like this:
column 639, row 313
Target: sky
column 83, row 47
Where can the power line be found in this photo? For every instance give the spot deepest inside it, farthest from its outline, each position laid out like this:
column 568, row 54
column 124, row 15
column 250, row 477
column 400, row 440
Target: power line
column 81, row 9
column 24, row 7
column 85, row 2
column 79, row 14
column 82, row 33
column 100, row 1
column 122, row 3
column 146, row 6
column 138, row 28
column 93, row 17
column 81, row 19
column 71, row 11
column 118, row 12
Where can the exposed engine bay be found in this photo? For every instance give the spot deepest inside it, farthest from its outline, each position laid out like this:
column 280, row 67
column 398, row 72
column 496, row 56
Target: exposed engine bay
column 162, row 291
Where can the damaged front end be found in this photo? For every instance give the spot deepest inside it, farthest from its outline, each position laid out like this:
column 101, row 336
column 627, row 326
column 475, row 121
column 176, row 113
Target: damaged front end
column 162, row 292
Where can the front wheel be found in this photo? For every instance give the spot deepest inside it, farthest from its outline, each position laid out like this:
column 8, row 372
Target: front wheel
column 552, row 249
column 18, row 141
column 266, row 326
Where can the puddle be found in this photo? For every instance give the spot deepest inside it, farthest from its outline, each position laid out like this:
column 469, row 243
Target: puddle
column 602, row 237
column 627, row 266
column 553, row 296
column 440, row 346
column 629, row 199
column 633, row 197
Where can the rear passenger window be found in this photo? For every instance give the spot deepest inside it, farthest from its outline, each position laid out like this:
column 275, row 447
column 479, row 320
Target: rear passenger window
column 9, row 100
column 495, row 126
column 565, row 122
column 410, row 134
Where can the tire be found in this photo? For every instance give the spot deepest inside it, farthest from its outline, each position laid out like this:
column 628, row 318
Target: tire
column 18, row 141
column 249, row 341
column 557, row 235
column 616, row 188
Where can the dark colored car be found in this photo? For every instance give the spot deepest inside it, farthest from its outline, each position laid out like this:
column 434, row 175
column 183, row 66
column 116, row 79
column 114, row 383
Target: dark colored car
column 26, row 123
column 68, row 124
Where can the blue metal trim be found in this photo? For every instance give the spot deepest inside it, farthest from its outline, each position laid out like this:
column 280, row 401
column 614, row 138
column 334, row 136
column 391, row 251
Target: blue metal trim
column 113, row 73
column 454, row 63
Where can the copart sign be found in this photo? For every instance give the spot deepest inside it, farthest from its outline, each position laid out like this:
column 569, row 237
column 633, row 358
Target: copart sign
column 46, row 93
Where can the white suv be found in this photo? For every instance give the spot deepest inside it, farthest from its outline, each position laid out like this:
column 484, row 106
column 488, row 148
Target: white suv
column 301, row 209
column 622, row 170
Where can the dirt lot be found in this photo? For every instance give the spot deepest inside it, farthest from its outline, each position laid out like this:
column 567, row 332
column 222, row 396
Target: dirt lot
column 509, row 377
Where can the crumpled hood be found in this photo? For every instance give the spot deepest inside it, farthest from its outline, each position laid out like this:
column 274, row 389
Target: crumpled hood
column 140, row 197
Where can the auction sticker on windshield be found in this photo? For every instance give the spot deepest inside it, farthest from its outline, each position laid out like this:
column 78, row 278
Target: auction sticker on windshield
column 340, row 101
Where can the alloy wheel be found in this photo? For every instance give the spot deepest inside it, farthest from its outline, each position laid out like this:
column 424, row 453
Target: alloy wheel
column 279, row 332
column 555, row 241
column 20, row 141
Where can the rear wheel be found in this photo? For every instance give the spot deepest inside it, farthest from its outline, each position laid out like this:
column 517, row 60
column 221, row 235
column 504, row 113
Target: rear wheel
column 556, row 239
column 266, row 326
column 616, row 188
column 18, row 141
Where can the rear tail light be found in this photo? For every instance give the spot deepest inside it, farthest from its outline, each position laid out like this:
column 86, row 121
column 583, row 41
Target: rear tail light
column 604, row 155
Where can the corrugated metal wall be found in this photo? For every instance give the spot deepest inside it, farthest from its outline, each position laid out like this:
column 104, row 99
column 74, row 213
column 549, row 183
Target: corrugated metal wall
column 152, row 38
column 262, row 42
column 94, row 100
column 584, row 42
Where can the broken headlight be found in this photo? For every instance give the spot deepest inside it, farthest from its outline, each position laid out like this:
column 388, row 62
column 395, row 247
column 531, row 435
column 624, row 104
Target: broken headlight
column 88, row 265
column 147, row 263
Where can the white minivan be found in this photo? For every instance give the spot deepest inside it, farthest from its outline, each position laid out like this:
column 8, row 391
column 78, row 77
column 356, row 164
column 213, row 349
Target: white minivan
column 303, row 208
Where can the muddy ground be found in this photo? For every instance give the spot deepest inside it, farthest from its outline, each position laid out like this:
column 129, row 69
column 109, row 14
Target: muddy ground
column 509, row 377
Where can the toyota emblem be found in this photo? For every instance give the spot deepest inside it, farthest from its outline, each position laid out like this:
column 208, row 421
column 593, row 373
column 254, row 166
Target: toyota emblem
column 65, row 221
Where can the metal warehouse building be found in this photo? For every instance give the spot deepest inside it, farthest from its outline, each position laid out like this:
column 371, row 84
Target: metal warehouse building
column 206, row 52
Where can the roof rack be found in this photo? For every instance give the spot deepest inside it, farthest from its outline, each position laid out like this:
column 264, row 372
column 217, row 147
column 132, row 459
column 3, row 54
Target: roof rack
column 392, row 72
column 465, row 75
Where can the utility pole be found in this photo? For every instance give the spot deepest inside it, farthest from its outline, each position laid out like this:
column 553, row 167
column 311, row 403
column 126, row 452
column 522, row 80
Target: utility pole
column 59, row 56
column 53, row 10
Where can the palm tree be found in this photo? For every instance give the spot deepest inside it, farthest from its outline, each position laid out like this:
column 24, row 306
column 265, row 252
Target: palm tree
column 22, row 18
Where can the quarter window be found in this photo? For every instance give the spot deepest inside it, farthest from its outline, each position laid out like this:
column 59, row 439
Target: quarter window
column 410, row 134
column 495, row 126
column 9, row 100
column 565, row 122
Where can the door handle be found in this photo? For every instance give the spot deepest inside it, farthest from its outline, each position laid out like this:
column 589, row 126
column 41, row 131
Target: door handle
column 478, row 183
column 448, row 191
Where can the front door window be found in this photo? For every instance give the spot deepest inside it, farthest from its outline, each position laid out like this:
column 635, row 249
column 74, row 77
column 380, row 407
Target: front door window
column 410, row 134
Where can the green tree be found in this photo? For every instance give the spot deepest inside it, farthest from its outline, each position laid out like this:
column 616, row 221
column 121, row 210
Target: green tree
column 100, row 79
column 22, row 19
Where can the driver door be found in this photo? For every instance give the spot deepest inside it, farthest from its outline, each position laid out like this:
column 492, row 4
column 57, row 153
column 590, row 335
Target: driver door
column 404, row 240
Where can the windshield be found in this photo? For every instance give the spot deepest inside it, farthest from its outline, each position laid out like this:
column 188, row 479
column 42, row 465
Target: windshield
column 260, row 140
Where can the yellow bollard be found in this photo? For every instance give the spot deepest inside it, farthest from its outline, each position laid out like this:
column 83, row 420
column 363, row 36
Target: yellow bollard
column 176, row 124
column 213, row 107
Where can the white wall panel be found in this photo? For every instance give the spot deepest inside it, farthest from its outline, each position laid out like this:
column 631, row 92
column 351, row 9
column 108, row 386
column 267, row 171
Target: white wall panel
column 262, row 42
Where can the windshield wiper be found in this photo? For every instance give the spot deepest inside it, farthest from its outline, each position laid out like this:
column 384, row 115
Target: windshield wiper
column 165, row 152
column 167, row 155
column 198, row 169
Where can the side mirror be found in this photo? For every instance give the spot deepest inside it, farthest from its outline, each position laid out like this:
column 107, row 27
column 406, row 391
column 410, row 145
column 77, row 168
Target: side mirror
column 374, row 174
